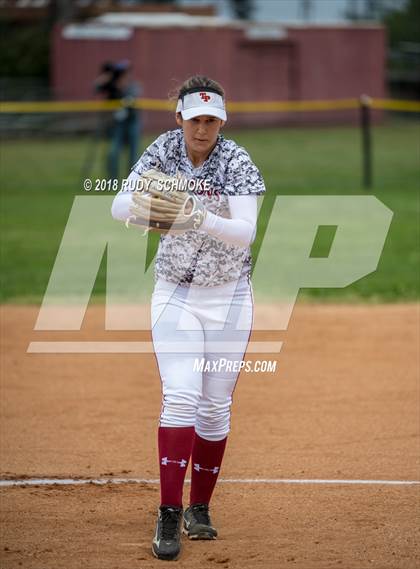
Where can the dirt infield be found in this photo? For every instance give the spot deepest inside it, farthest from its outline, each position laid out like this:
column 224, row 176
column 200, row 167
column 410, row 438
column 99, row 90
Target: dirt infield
column 343, row 404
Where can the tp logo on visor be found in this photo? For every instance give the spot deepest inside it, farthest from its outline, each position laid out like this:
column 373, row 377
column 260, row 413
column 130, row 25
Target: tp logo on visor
column 205, row 97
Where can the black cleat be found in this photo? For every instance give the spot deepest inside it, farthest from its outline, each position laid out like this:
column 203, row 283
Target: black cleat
column 197, row 522
column 167, row 541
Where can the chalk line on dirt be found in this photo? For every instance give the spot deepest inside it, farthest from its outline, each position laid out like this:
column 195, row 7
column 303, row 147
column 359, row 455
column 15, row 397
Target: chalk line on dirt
column 101, row 481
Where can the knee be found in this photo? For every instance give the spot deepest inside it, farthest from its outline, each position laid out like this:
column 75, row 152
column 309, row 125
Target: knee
column 179, row 409
column 213, row 419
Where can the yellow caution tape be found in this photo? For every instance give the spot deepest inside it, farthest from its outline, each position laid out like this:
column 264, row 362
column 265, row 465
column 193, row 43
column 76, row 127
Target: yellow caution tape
column 81, row 106
column 286, row 106
column 234, row 107
column 396, row 105
column 57, row 106
column 155, row 105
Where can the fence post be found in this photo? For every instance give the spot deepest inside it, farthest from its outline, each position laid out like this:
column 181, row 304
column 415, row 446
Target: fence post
column 365, row 125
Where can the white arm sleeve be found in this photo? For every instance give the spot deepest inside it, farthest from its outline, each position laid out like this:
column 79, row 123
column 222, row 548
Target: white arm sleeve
column 122, row 201
column 240, row 230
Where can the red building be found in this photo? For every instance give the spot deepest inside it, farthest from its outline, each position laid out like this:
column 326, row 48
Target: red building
column 253, row 61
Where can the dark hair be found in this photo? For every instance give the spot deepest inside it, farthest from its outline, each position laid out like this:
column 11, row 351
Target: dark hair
column 198, row 82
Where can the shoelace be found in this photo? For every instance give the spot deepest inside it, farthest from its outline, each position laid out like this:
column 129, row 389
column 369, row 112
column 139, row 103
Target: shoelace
column 169, row 526
column 201, row 514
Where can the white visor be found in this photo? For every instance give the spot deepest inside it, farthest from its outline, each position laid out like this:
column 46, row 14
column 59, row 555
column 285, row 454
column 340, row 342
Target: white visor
column 201, row 103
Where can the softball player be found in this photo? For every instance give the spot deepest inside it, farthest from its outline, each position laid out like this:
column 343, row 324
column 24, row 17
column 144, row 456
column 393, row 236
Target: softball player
column 202, row 306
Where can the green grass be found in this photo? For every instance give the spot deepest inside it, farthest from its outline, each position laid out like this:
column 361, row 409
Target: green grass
column 39, row 179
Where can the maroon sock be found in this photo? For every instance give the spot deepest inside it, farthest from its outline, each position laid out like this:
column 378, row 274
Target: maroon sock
column 175, row 444
column 206, row 460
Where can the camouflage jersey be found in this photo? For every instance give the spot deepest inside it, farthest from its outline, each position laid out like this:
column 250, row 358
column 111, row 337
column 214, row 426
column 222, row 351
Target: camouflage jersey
column 196, row 257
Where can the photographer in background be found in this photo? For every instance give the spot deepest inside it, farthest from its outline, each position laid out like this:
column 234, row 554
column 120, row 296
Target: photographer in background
column 116, row 82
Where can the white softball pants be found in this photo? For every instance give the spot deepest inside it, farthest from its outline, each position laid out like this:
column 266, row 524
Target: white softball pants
column 209, row 326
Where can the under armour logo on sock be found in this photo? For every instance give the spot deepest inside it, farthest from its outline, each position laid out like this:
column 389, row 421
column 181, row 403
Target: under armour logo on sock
column 198, row 467
column 182, row 463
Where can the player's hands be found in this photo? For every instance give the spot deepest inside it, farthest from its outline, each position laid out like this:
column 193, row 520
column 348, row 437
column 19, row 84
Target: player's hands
column 164, row 208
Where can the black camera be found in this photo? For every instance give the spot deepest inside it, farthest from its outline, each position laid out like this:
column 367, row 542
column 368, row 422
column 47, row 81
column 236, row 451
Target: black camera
column 114, row 71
